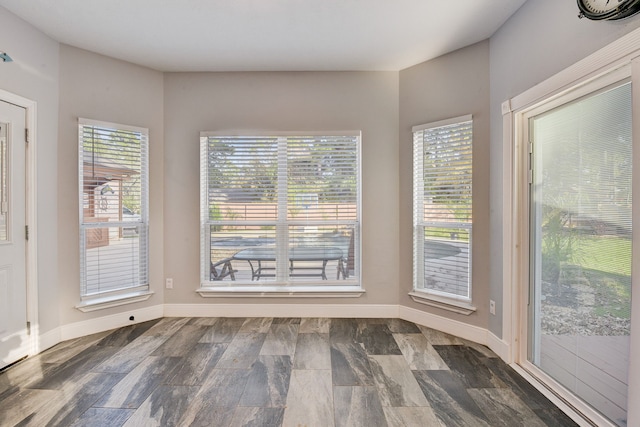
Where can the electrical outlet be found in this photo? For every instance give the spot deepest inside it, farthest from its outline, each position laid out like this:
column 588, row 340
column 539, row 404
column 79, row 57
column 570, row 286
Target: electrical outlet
column 169, row 283
column 492, row 307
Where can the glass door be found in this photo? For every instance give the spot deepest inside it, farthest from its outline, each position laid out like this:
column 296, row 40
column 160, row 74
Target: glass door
column 580, row 247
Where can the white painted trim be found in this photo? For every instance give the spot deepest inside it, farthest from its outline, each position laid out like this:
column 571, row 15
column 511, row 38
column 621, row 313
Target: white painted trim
column 281, row 310
column 441, row 123
column 116, row 126
column 379, row 311
column 47, row 340
column 610, row 57
column 633, row 391
column 450, row 304
column 275, row 133
column 282, row 264
column 509, row 235
column 499, row 346
column 94, row 304
column 31, row 210
column 99, row 324
column 450, row 326
column 328, row 291
column 508, row 251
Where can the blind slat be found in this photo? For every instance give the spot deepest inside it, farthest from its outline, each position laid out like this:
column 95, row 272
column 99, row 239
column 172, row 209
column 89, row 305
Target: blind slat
column 113, row 188
column 442, row 204
column 266, row 183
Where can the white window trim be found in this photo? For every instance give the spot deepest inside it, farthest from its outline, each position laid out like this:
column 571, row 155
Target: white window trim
column 329, row 288
column 103, row 301
column 610, row 60
column 430, row 297
column 311, row 291
column 134, row 294
column 446, row 303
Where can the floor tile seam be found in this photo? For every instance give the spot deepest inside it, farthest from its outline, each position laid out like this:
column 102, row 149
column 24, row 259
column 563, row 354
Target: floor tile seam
column 231, row 369
column 239, row 405
column 41, row 388
column 405, row 406
column 432, row 370
column 413, row 406
column 312, row 369
column 98, row 398
column 148, row 393
column 355, row 386
column 95, row 371
column 118, row 407
column 487, row 416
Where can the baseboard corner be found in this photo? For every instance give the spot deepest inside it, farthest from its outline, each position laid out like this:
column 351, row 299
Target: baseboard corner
column 113, row 321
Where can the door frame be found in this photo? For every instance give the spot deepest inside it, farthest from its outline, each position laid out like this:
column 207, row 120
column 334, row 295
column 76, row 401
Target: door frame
column 31, row 256
column 615, row 58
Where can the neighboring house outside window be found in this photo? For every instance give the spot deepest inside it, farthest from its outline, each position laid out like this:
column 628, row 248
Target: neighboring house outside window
column 442, row 217
column 113, row 197
column 280, row 209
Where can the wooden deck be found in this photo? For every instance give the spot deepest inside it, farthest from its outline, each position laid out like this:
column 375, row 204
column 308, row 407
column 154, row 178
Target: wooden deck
column 109, row 266
column 593, row 367
column 447, row 270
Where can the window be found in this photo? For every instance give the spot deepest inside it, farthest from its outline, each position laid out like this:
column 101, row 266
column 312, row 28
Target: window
column 442, row 218
column 580, row 242
column 113, row 200
column 280, row 209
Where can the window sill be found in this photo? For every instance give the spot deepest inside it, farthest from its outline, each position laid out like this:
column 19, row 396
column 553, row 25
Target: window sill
column 281, row 291
column 113, row 301
column 456, row 306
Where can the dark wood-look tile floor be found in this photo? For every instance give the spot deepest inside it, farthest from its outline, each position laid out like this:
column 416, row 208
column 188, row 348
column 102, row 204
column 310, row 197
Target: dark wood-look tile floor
column 270, row 372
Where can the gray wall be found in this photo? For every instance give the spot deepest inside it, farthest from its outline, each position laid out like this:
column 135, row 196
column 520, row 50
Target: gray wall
column 305, row 101
column 541, row 39
column 34, row 75
column 96, row 87
column 449, row 86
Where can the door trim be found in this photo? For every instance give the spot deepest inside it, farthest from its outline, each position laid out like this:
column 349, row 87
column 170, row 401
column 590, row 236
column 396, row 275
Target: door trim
column 621, row 75
column 621, row 53
column 31, row 218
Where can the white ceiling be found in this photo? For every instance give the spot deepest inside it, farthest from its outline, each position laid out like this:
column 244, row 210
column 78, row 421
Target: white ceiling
column 267, row 35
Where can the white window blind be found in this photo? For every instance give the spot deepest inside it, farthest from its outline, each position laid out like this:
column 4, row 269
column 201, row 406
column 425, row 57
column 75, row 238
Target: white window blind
column 113, row 177
column 279, row 208
column 442, row 207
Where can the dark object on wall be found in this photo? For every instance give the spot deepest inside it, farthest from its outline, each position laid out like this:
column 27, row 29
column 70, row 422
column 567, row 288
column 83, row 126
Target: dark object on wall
column 611, row 10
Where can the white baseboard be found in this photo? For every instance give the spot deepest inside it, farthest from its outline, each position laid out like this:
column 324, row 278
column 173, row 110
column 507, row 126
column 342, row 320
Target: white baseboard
column 453, row 327
column 47, row 340
column 280, row 310
column 499, row 347
column 99, row 324
column 459, row 329
column 443, row 324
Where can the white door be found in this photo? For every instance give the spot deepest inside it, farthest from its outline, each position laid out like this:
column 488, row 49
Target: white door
column 580, row 246
column 14, row 339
